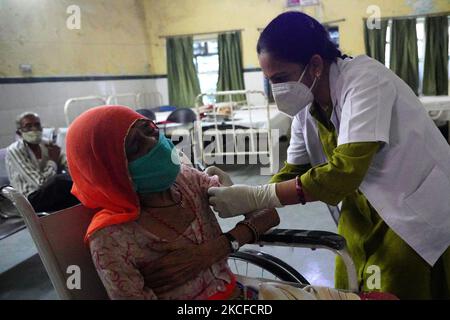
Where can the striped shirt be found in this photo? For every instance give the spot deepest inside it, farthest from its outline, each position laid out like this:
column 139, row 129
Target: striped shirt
column 27, row 173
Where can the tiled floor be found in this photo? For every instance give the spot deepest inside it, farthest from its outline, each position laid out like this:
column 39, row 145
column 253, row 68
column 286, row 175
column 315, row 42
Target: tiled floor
column 22, row 275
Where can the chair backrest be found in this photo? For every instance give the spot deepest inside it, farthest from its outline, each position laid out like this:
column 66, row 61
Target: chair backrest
column 182, row 115
column 147, row 113
column 3, row 174
column 59, row 241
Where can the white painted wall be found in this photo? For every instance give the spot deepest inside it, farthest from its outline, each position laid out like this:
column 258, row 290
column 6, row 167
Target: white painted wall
column 48, row 98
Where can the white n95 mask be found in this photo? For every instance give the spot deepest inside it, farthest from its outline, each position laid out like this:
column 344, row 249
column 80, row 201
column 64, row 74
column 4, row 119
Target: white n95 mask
column 33, row 137
column 291, row 97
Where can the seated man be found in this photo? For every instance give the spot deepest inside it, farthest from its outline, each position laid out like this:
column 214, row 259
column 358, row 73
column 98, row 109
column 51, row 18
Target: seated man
column 34, row 168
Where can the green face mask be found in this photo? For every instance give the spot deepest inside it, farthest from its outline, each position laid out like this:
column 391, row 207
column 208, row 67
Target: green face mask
column 157, row 170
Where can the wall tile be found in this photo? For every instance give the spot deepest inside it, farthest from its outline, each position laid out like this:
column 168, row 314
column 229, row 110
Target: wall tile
column 48, row 98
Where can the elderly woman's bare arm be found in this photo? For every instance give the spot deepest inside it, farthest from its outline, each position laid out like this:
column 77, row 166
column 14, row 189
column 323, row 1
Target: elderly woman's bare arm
column 262, row 220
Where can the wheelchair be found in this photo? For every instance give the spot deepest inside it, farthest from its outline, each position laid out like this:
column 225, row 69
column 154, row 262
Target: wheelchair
column 59, row 240
column 273, row 268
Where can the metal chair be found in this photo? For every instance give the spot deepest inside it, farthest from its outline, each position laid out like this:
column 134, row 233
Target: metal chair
column 59, row 241
column 147, row 113
column 182, row 115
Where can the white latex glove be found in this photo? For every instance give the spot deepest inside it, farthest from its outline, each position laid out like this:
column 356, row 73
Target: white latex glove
column 224, row 178
column 241, row 199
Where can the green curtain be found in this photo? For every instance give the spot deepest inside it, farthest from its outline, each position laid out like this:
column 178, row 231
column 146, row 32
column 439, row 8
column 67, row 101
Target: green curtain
column 375, row 41
column 404, row 52
column 231, row 75
column 435, row 74
column 183, row 82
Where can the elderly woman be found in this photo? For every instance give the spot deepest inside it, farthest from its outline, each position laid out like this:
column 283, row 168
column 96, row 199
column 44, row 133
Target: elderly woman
column 155, row 236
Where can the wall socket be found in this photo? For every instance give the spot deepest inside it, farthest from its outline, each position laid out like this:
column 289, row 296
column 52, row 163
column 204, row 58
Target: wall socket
column 26, row 68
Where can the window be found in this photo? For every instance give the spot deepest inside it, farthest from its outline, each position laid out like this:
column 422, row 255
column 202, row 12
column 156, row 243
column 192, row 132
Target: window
column 334, row 34
column 449, row 53
column 387, row 51
column 206, row 60
column 420, row 29
column 421, row 45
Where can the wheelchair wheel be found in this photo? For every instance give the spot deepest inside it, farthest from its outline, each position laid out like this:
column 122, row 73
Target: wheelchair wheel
column 252, row 263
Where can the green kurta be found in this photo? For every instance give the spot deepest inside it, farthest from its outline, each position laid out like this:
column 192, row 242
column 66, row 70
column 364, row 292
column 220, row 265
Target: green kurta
column 369, row 240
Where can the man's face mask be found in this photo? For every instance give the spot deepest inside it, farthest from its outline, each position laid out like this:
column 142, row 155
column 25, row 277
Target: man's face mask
column 291, row 97
column 158, row 169
column 32, row 137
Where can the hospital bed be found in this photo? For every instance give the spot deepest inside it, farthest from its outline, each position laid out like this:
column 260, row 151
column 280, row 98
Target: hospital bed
column 59, row 241
column 237, row 127
column 124, row 99
column 73, row 107
column 137, row 100
column 76, row 106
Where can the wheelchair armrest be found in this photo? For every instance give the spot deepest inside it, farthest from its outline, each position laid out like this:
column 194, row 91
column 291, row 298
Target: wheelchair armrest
column 303, row 238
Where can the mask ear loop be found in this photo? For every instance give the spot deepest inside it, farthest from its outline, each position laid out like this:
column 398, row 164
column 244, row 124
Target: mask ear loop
column 315, row 78
column 303, row 73
column 314, row 83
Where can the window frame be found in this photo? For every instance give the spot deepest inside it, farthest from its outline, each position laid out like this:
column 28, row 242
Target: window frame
column 420, row 23
column 207, row 53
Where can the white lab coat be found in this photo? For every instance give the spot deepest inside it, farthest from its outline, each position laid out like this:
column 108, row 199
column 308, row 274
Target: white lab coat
column 408, row 182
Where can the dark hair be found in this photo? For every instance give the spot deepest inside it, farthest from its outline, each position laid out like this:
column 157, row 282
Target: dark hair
column 296, row 37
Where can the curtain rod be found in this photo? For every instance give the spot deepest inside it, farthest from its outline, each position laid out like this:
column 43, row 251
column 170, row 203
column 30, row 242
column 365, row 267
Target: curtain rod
column 334, row 21
column 419, row 15
column 198, row 34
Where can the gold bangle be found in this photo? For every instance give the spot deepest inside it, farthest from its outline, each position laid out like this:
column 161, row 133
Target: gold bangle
column 252, row 228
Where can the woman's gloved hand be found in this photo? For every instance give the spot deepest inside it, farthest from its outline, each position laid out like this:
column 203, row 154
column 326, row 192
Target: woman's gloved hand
column 224, row 178
column 241, row 199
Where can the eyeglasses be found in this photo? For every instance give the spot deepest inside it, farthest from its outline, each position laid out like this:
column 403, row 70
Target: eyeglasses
column 31, row 126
